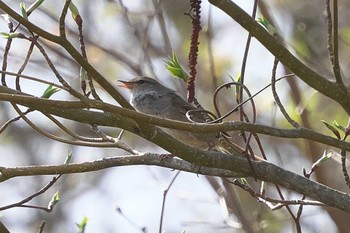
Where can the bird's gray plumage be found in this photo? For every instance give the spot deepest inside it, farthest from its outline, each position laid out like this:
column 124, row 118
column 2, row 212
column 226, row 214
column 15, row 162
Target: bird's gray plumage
column 151, row 97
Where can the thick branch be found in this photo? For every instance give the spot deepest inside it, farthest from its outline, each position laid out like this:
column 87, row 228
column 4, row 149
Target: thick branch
column 232, row 166
column 236, row 164
column 126, row 119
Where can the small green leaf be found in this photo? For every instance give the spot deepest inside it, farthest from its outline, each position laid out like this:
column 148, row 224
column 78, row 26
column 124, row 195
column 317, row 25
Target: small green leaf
column 175, row 69
column 5, row 35
column 237, row 87
column 74, row 10
column 54, row 200
column 264, row 22
column 69, row 158
column 50, row 91
column 347, row 129
column 340, row 127
column 245, row 182
column 11, row 35
column 83, row 74
column 330, row 127
column 35, row 5
column 82, row 225
column 22, row 5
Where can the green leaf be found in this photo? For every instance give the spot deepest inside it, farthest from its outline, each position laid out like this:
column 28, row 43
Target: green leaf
column 237, row 87
column 347, row 129
column 340, row 127
column 74, row 10
column 54, row 200
column 264, row 22
column 330, row 127
column 83, row 74
column 175, row 69
column 82, row 224
column 50, row 91
column 69, row 158
column 22, row 5
column 7, row 35
column 35, row 5
column 245, row 182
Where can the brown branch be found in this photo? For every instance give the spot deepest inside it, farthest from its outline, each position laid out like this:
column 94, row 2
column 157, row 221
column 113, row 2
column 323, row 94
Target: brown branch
column 237, row 164
column 332, row 39
column 39, row 192
column 124, row 118
column 276, row 97
column 71, row 50
column 108, row 162
column 193, row 54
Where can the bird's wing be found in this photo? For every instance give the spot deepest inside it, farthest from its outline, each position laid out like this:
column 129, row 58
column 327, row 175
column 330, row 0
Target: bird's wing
column 183, row 107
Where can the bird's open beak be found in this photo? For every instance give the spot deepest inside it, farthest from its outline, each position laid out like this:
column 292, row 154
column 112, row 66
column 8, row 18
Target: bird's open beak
column 126, row 84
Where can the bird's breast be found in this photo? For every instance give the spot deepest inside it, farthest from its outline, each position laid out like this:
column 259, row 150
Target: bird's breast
column 151, row 103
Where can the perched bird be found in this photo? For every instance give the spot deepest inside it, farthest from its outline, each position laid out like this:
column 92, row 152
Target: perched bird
column 151, row 97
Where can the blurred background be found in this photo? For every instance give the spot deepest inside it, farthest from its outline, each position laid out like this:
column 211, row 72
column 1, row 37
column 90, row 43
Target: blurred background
column 125, row 39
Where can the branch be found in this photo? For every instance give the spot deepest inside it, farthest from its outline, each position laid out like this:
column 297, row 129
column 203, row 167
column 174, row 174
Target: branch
column 232, row 166
column 109, row 162
column 141, row 126
column 114, row 116
column 71, row 50
column 330, row 89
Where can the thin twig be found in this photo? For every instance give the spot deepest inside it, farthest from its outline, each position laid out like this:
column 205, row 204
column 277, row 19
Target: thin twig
column 209, row 37
column 332, row 39
column 79, row 21
column 6, row 52
column 165, row 194
column 277, row 99
column 25, row 63
column 34, row 79
column 193, row 53
column 53, row 68
column 62, row 19
column 130, row 221
column 59, row 139
column 14, row 119
column 163, row 27
column 344, row 170
column 41, row 227
column 138, row 37
column 74, row 135
column 227, row 85
column 39, row 192
column 262, row 198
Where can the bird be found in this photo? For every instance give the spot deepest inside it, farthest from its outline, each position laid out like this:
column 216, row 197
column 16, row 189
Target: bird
column 151, row 97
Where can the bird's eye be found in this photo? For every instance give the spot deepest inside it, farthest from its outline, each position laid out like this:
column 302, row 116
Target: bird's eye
column 141, row 81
